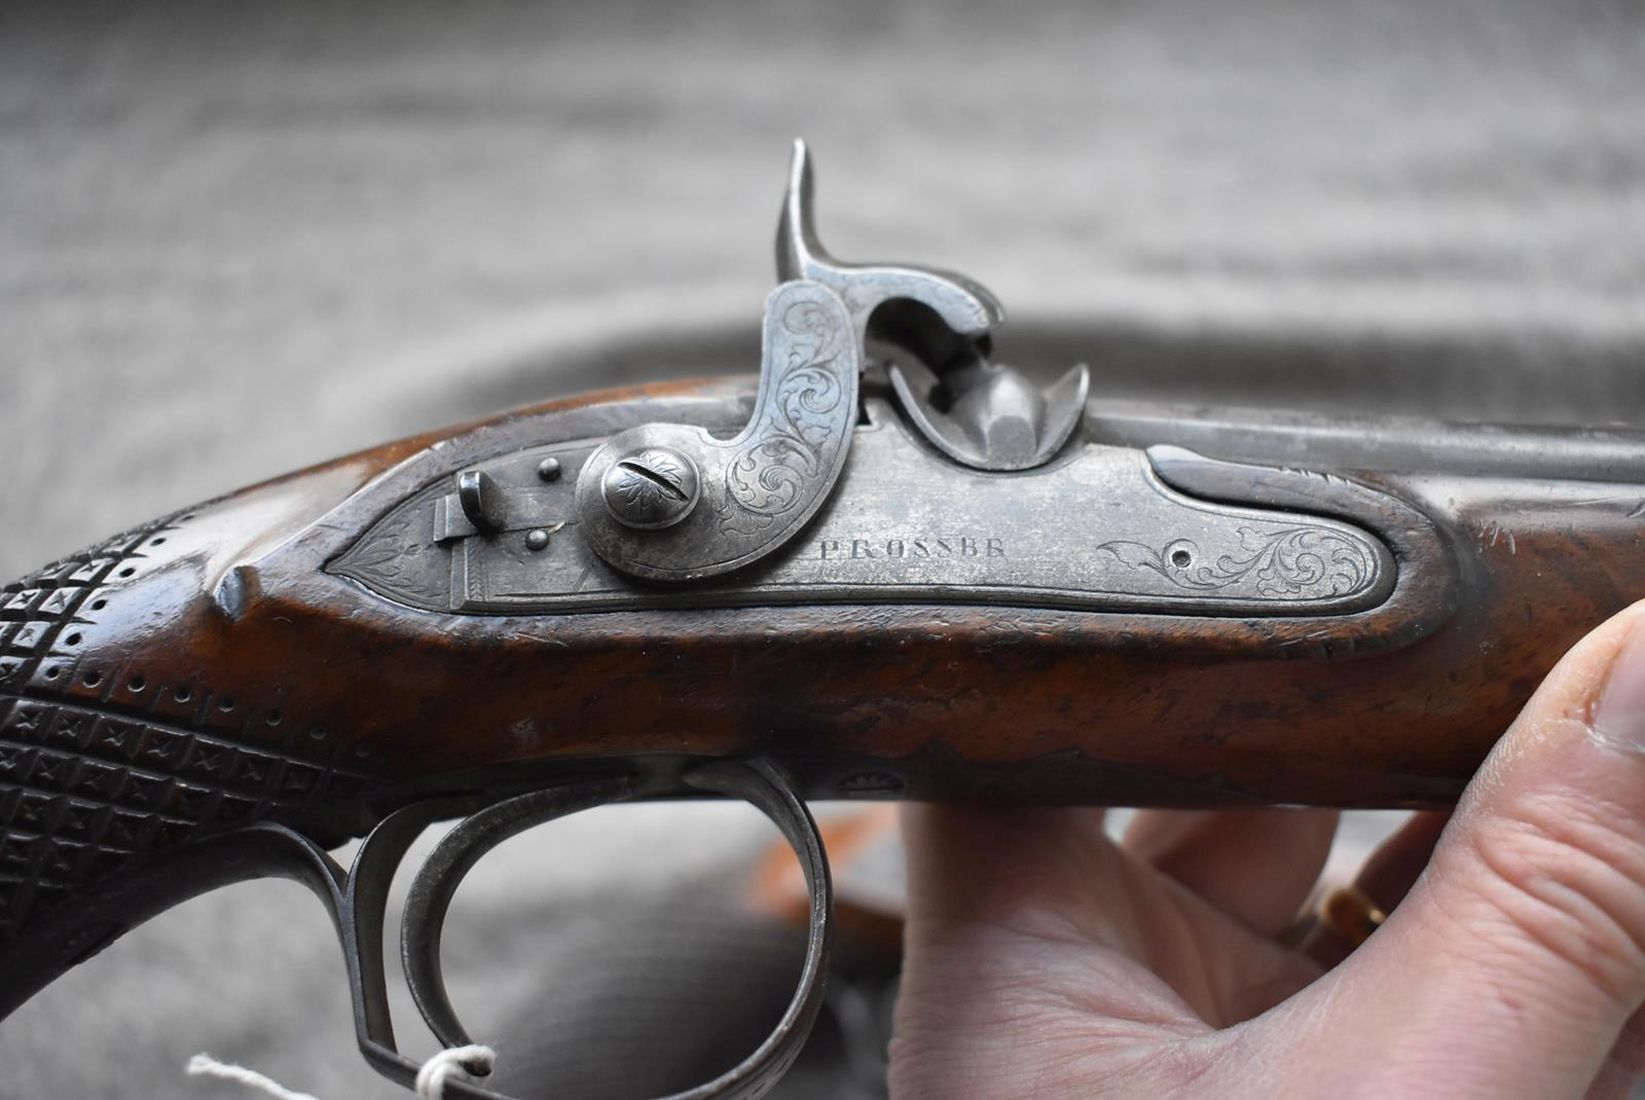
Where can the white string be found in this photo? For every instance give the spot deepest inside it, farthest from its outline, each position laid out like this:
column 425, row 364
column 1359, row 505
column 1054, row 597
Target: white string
column 204, row 1065
column 431, row 1079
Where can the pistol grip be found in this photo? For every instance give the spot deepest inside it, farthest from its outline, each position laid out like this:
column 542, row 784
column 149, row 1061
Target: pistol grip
column 108, row 763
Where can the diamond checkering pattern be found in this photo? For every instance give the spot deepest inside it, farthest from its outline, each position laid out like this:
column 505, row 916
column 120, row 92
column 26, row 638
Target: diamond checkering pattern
column 88, row 786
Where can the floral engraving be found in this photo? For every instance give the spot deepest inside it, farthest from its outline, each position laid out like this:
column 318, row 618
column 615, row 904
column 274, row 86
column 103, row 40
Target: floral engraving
column 800, row 424
column 391, row 547
column 653, row 486
column 1292, row 563
column 398, row 557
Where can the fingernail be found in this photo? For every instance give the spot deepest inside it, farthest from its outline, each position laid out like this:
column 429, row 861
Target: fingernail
column 1618, row 717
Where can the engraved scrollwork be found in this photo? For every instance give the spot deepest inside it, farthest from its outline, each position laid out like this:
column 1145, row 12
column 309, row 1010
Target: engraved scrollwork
column 799, row 417
column 768, row 477
column 1292, row 563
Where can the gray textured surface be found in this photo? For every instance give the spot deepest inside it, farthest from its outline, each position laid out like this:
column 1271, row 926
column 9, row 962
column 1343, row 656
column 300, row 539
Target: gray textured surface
column 235, row 239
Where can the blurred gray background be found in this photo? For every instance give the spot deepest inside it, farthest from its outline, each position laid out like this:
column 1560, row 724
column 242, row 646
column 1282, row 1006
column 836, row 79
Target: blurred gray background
column 236, row 239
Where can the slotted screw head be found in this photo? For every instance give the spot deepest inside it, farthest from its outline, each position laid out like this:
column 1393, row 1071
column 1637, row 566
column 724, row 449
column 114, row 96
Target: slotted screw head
column 650, row 488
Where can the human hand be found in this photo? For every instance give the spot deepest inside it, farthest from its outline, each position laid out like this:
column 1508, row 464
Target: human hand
column 1045, row 960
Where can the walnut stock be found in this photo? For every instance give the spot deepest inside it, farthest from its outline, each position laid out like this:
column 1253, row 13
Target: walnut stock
column 217, row 668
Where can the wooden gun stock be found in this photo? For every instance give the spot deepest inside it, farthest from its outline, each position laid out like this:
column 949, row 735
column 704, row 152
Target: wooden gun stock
column 224, row 666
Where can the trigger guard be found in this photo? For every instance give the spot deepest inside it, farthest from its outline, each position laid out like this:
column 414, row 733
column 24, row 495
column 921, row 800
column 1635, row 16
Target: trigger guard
column 763, row 786
column 436, row 883
column 443, row 871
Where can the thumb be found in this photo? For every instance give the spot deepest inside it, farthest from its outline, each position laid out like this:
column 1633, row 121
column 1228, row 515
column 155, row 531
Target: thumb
column 1513, row 965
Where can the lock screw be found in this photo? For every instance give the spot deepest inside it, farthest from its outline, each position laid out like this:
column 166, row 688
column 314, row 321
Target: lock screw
column 650, row 488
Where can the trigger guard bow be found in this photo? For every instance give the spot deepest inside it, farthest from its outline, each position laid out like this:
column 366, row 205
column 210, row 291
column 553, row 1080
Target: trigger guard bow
column 357, row 901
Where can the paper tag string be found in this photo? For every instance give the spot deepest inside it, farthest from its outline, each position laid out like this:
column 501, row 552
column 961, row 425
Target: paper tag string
column 431, row 1079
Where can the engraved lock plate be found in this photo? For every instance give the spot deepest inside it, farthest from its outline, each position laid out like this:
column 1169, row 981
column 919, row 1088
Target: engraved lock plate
column 1100, row 529
column 979, row 490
